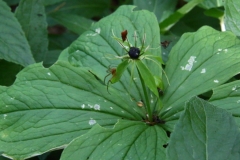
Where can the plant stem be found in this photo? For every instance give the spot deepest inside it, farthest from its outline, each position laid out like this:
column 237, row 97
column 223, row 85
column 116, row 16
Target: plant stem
column 147, row 102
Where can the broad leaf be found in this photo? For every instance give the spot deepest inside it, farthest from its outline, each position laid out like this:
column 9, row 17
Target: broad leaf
column 49, row 107
column 204, row 132
column 13, row 44
column 232, row 16
column 228, row 97
column 12, row 2
column 97, row 48
column 85, row 8
column 73, row 22
column 192, row 68
column 51, row 2
column 31, row 15
column 127, row 140
column 161, row 8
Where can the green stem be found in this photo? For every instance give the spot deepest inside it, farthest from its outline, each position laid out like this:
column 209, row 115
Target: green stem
column 147, row 102
column 175, row 17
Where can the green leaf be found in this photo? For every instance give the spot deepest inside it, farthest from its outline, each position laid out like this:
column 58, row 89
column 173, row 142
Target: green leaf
column 49, row 107
column 189, row 23
column 127, row 140
column 13, row 44
column 232, row 16
column 161, row 8
column 97, row 48
column 73, row 22
column 12, row 2
column 171, row 40
column 119, row 71
column 31, row 15
column 227, row 97
column 214, row 12
column 207, row 4
column 85, row 8
column 192, row 68
column 204, row 132
column 51, row 2
column 147, row 77
column 175, row 17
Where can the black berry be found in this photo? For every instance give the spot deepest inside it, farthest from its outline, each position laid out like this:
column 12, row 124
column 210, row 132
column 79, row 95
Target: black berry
column 134, row 52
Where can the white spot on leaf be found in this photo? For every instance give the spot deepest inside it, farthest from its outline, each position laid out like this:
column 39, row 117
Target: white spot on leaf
column 203, row 70
column 91, row 122
column 97, row 107
column 4, row 116
column 219, row 49
column 111, row 107
column 83, row 106
column 216, row 81
column 238, row 101
column 90, row 106
column 49, row 73
column 234, row 88
column 225, row 50
column 191, row 61
column 98, row 30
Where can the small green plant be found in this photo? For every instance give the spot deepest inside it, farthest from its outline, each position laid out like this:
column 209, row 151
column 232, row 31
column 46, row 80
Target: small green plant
column 161, row 97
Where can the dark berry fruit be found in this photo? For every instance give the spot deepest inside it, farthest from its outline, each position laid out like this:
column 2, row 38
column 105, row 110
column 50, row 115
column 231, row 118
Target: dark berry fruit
column 134, row 52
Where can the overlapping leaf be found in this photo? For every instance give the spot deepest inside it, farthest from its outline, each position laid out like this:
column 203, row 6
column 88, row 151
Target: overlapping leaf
column 32, row 17
column 47, row 108
column 85, row 8
column 228, row 97
column 127, row 140
column 161, row 8
column 98, row 49
column 199, row 62
column 204, row 132
column 73, row 22
column 232, row 16
column 13, row 44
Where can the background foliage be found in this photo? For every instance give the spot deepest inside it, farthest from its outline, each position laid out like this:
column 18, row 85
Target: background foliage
column 49, row 100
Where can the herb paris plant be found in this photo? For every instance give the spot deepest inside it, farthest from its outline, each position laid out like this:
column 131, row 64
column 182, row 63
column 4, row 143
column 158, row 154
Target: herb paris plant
column 67, row 105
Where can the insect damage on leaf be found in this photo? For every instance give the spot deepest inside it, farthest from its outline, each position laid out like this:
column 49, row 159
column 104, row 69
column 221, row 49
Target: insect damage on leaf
column 165, row 43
